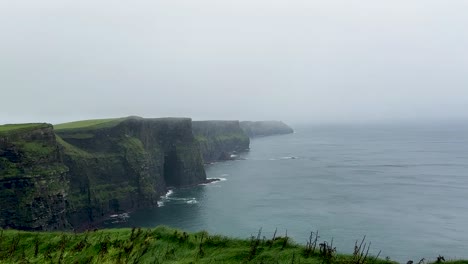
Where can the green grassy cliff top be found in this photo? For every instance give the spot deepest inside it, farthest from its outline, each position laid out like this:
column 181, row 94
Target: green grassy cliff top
column 92, row 123
column 12, row 128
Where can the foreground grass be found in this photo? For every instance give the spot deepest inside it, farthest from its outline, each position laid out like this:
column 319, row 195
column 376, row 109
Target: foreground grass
column 161, row 245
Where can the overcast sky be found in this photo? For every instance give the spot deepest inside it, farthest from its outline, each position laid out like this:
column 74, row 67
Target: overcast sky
column 295, row 60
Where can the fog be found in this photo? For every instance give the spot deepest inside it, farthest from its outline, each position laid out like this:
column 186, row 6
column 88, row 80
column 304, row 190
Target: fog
column 293, row 60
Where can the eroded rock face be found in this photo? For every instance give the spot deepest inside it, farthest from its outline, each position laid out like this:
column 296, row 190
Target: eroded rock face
column 33, row 180
column 265, row 128
column 218, row 140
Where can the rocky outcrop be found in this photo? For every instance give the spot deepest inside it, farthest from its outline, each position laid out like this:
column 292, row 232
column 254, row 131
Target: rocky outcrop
column 265, row 128
column 33, row 179
column 220, row 140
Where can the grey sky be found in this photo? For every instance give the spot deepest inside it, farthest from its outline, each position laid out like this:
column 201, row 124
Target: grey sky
column 295, row 60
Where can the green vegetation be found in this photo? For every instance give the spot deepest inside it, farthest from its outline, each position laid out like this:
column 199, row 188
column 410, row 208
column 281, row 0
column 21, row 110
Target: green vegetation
column 71, row 150
column 167, row 245
column 13, row 128
column 35, row 156
column 93, row 123
column 159, row 245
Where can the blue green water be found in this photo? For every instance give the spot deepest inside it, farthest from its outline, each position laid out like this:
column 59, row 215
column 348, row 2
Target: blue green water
column 403, row 186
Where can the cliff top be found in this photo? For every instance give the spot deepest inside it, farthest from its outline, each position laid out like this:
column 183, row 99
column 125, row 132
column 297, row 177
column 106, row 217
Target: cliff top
column 92, row 123
column 13, row 128
column 109, row 122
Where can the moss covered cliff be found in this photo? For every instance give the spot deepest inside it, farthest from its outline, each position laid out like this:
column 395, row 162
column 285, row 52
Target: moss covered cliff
column 218, row 140
column 265, row 128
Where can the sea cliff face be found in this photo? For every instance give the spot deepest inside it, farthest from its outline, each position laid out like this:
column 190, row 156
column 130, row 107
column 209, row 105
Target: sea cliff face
column 128, row 165
column 265, row 128
column 33, row 179
column 218, row 140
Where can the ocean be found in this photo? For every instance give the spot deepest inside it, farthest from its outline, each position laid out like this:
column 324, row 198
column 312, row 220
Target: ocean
column 403, row 186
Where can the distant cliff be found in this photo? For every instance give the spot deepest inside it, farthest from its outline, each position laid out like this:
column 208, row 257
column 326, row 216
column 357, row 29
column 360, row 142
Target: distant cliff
column 90, row 169
column 218, row 140
column 265, row 128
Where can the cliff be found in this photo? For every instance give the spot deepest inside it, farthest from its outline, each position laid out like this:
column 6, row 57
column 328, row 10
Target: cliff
column 126, row 164
column 89, row 169
column 218, row 140
column 33, row 178
column 265, row 128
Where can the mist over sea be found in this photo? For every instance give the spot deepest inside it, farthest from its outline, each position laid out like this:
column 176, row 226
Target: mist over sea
column 403, row 186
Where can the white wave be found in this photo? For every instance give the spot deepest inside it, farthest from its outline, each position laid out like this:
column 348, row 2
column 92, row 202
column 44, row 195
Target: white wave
column 119, row 218
column 224, row 175
column 169, row 193
column 160, row 203
column 192, row 201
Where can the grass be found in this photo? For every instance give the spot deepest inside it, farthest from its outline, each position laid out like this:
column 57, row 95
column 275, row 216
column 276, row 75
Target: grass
column 92, row 123
column 5, row 129
column 167, row 245
column 159, row 245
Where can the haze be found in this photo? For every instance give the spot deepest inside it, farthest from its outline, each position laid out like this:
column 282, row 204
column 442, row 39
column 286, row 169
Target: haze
column 294, row 60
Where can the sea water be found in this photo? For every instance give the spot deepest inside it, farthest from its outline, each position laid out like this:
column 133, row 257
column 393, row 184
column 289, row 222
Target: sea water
column 404, row 187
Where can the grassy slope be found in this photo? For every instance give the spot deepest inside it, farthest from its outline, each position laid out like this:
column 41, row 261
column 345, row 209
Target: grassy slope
column 159, row 245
